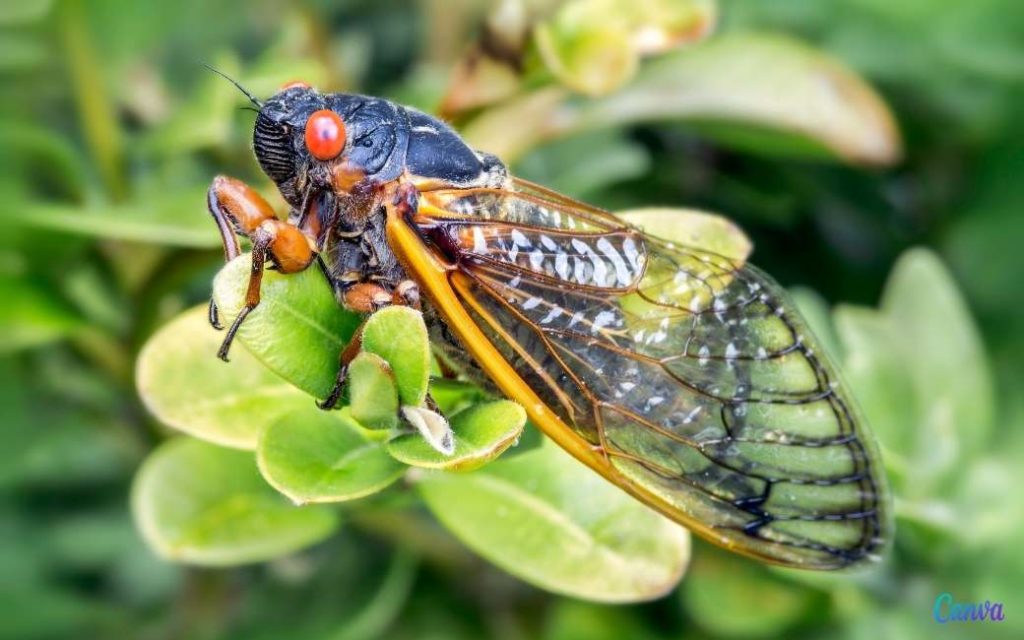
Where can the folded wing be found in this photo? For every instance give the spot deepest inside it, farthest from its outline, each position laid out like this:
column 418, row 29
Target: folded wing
column 692, row 375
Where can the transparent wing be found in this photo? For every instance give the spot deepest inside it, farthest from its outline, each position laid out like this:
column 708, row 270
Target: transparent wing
column 692, row 374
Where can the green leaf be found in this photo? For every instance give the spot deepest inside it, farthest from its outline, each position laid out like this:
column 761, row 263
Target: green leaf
column 202, row 504
column 299, row 330
column 747, row 89
column 594, row 46
column 373, row 398
column 315, row 456
column 879, row 374
column 30, row 316
column 205, row 120
column 175, row 218
column 20, row 12
column 692, row 228
column 587, row 163
column 386, row 604
column 46, row 611
column 770, row 605
column 454, row 395
column 770, row 82
column 940, row 345
column 593, row 59
column 185, row 385
column 26, row 146
column 575, row 620
column 399, row 335
column 547, row 519
column 482, row 433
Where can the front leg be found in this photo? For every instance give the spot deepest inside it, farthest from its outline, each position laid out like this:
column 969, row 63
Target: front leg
column 240, row 210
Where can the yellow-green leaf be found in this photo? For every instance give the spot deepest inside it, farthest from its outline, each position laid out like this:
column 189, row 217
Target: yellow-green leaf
column 186, row 386
column 692, row 228
column 399, row 335
column 482, row 433
column 315, row 456
column 372, row 396
column 299, row 330
column 202, row 504
column 547, row 519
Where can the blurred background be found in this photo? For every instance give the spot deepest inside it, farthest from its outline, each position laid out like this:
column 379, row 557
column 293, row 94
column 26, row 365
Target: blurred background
column 871, row 149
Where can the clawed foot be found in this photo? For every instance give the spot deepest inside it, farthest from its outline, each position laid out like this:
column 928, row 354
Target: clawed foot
column 334, row 396
column 213, row 314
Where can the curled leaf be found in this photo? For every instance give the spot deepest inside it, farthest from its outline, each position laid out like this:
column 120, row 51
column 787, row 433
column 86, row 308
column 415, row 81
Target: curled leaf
column 372, row 396
column 594, row 59
column 481, row 433
column 432, row 427
column 594, row 46
column 398, row 335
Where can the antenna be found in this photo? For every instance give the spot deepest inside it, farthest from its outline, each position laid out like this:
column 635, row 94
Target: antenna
column 252, row 99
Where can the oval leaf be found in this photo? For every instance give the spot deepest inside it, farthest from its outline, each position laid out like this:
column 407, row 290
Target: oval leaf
column 550, row 521
column 771, row 82
column 298, row 330
column 185, row 385
column 754, row 91
column 944, row 354
column 399, row 335
column 373, row 398
column 314, row 456
column 202, row 504
column 482, row 433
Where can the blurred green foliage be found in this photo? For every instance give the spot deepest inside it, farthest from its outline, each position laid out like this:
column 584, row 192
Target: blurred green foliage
column 110, row 132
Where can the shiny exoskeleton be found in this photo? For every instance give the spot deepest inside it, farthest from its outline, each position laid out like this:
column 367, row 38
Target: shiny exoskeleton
column 386, row 142
column 337, row 200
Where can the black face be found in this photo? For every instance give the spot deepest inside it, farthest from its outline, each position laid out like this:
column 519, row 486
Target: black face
column 370, row 140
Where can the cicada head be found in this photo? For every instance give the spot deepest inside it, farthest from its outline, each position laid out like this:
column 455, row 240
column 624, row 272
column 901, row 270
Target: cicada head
column 309, row 142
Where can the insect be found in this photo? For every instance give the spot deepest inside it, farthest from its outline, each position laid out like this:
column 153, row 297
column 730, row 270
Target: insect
column 687, row 379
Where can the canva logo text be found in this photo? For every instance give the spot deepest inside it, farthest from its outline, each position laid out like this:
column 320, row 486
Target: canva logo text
column 948, row 610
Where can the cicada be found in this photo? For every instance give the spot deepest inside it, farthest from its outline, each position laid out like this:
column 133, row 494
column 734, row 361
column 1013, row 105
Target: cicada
column 686, row 378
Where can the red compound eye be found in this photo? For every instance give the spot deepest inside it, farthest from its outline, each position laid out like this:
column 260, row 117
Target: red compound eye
column 295, row 83
column 325, row 134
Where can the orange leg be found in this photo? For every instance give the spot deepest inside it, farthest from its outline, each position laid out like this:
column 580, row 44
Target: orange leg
column 367, row 297
column 240, row 210
column 348, row 354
